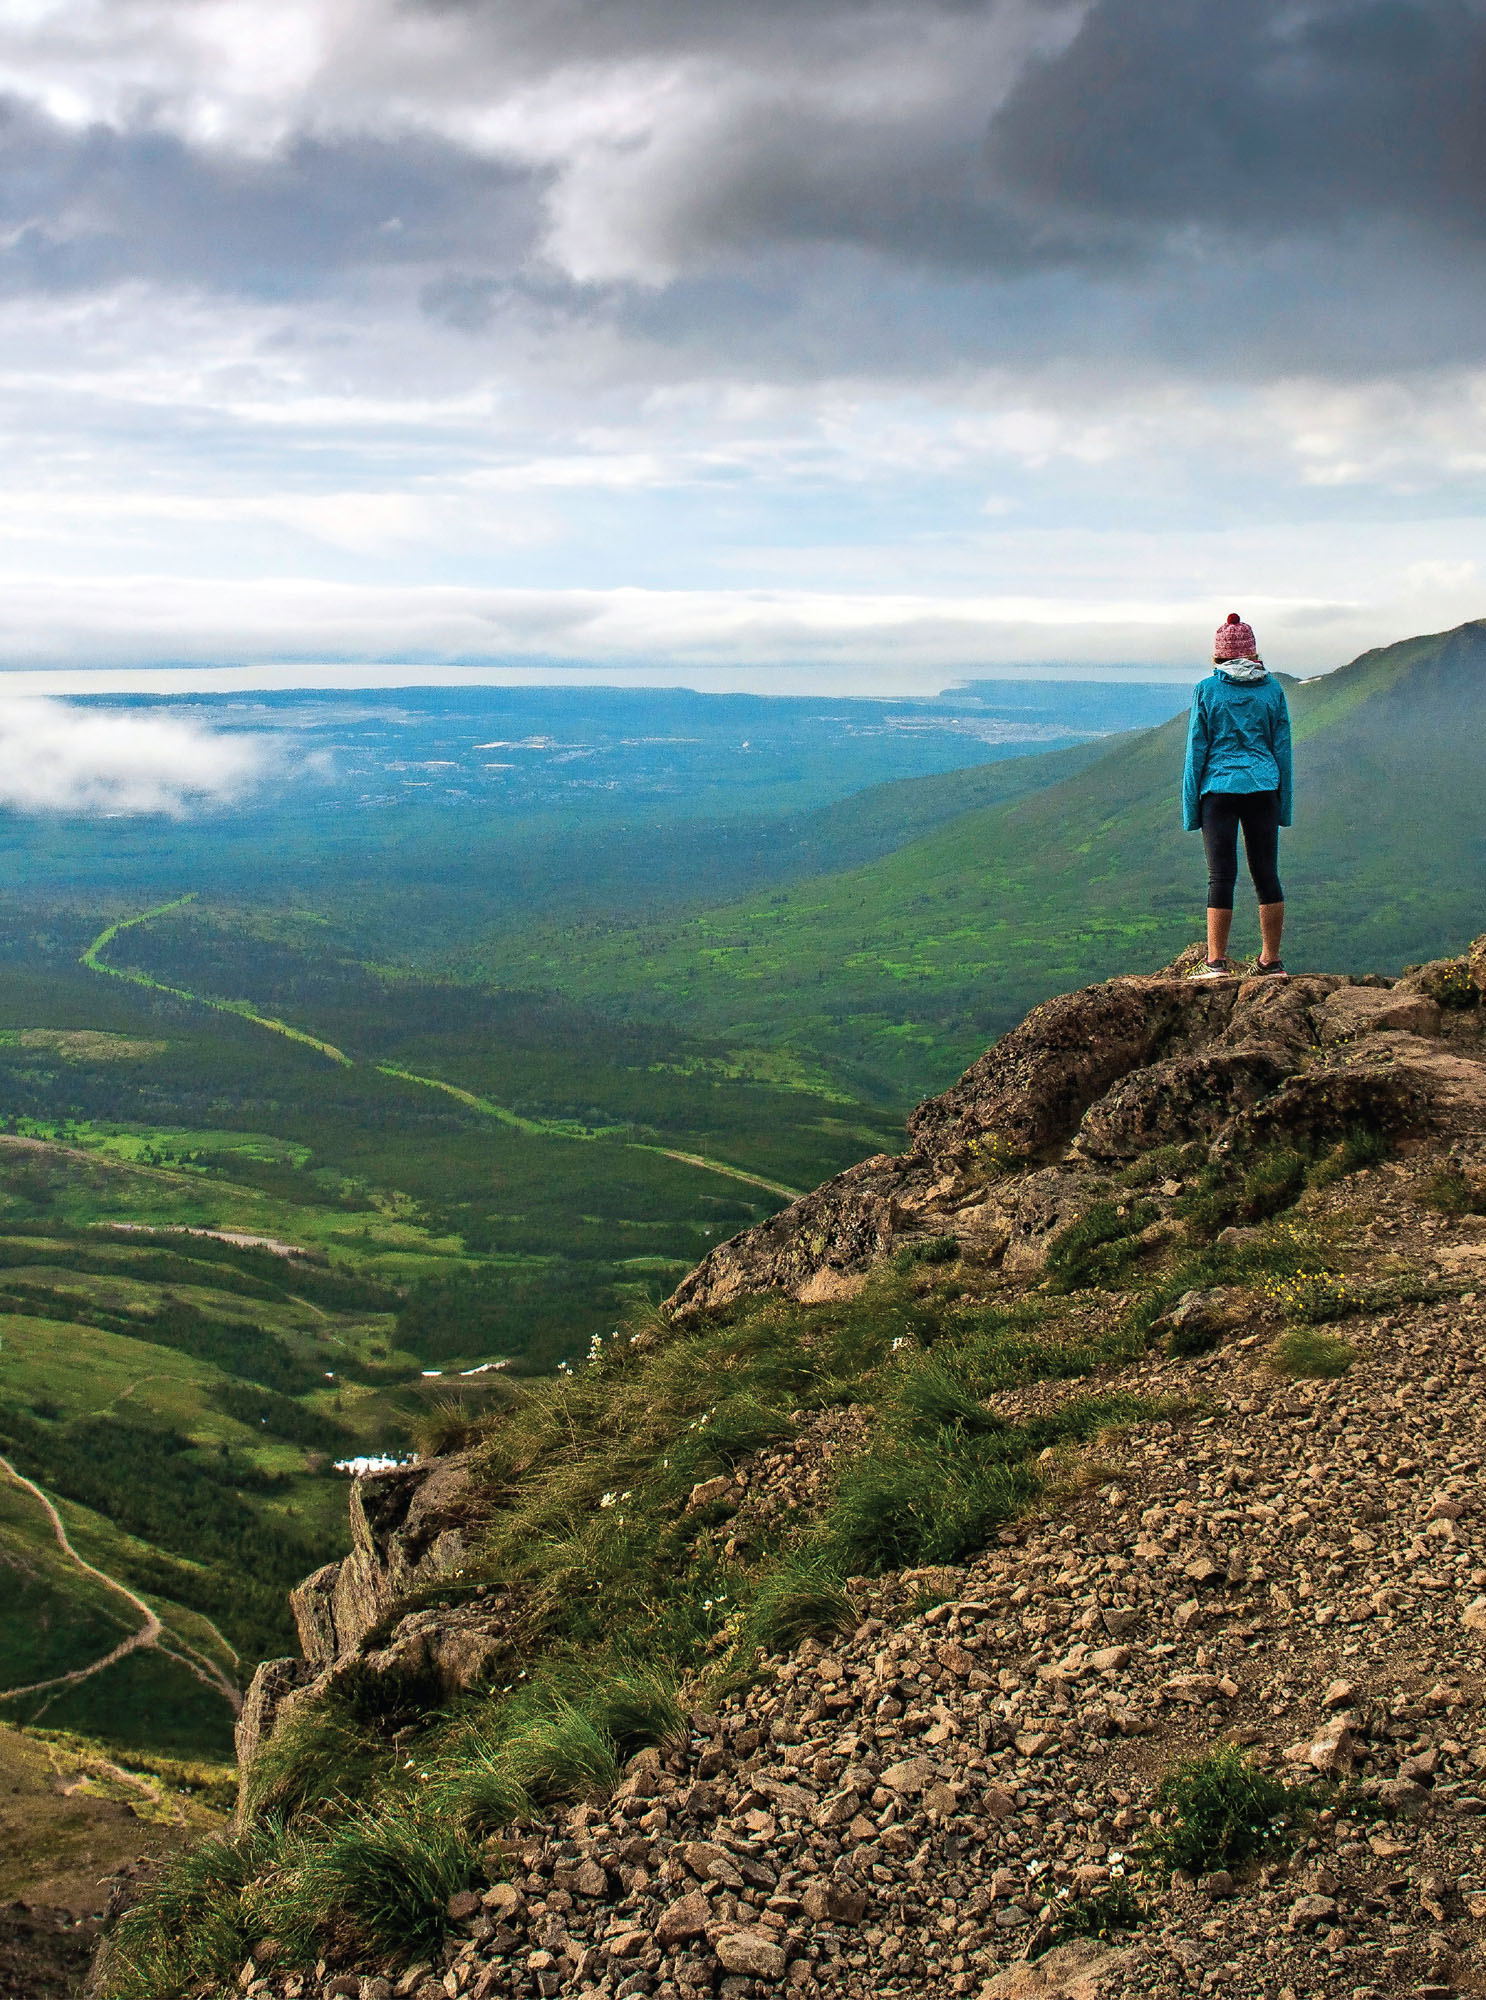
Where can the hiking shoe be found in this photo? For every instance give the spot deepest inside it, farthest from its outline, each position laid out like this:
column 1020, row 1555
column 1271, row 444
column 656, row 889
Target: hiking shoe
column 1273, row 970
column 1213, row 968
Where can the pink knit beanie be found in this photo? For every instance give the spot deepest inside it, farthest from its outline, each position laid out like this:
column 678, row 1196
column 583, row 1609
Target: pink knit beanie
column 1235, row 640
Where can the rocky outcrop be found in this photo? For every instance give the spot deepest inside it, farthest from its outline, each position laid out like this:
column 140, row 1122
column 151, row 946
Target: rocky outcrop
column 409, row 1534
column 913, row 1806
column 1001, row 1162
column 1092, row 1080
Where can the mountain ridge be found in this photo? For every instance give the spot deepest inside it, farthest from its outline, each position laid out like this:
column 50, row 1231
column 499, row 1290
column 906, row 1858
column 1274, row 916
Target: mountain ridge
column 902, row 968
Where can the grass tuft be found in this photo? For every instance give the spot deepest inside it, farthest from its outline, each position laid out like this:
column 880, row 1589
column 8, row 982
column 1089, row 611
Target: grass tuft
column 1306, row 1355
column 935, row 1250
column 453, row 1423
column 1096, row 1248
column 558, row 1753
column 922, row 1504
column 319, row 1754
column 1448, row 1192
column 1358, row 1151
column 933, row 1397
column 200, row 1918
column 1216, row 1811
column 559, row 1740
column 377, row 1880
column 805, row 1598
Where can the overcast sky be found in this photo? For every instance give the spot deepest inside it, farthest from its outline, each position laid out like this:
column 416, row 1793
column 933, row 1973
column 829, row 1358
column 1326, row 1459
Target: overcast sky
column 827, row 342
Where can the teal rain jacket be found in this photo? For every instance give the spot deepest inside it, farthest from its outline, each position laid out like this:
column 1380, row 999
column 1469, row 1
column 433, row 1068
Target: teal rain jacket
column 1238, row 740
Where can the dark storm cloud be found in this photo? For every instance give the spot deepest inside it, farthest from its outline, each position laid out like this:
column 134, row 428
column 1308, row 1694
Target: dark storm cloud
column 1257, row 117
column 80, row 209
column 1243, row 115
column 835, row 182
column 547, row 33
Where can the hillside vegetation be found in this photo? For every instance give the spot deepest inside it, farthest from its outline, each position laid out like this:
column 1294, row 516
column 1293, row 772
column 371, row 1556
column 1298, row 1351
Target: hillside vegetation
column 230, row 1257
column 1077, row 1590
column 897, row 971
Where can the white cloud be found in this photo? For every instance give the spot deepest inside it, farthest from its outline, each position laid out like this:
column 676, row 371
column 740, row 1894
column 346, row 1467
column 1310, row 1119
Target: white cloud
column 818, row 635
column 57, row 758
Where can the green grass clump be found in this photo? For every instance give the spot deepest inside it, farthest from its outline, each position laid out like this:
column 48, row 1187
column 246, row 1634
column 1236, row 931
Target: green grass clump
column 1096, row 1248
column 933, row 1396
column 1272, row 1184
column 318, row 1755
column 375, row 1881
column 1448, row 1192
column 557, row 1740
column 199, row 1919
column 804, row 1598
column 1161, row 1163
column 935, row 1250
column 1245, row 1192
column 558, row 1752
column 914, row 1500
column 905, row 1508
column 1306, row 1355
column 1216, row 1811
column 385, row 1699
column 1356, row 1152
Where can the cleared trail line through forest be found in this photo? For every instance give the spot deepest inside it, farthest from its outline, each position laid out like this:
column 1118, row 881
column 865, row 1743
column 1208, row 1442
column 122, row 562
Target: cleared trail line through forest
column 241, row 1008
column 150, row 1633
column 719, row 1167
column 537, row 1128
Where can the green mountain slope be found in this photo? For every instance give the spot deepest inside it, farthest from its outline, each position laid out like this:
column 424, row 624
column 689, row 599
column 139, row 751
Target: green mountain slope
column 898, row 971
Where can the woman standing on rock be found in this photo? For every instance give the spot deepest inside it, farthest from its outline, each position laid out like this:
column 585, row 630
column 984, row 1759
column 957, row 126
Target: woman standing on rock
column 1238, row 775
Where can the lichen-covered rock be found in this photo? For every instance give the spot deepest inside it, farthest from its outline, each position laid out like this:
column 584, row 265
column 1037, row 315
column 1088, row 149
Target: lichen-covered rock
column 408, row 1529
column 270, row 1689
column 1009, row 1155
column 1362, row 1010
column 1171, row 1102
column 1028, row 1092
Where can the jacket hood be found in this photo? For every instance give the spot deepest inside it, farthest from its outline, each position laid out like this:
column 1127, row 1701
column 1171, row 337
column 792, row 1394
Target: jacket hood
column 1245, row 672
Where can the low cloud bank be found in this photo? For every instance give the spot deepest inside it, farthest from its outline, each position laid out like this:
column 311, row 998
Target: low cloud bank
column 107, row 763
column 139, row 622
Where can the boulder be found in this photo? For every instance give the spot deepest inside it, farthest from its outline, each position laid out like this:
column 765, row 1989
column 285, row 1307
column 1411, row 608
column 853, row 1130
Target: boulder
column 756, row 1953
column 270, row 1695
column 314, row 1617
column 1171, row 1102
column 1030, row 1091
column 1082, row 1970
column 1353, row 1011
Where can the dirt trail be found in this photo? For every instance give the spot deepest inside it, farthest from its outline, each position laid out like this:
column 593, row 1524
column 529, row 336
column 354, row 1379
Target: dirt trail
column 535, row 1127
column 721, row 1167
column 150, row 1633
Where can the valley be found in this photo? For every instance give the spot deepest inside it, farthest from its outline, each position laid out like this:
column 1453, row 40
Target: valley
column 230, row 1258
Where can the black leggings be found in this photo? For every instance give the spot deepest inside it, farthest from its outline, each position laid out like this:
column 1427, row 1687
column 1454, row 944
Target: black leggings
column 1258, row 813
